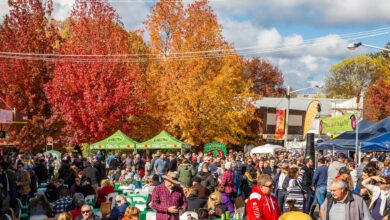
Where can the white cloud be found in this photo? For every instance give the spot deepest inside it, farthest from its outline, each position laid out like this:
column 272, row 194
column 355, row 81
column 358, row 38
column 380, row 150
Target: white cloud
column 269, row 38
column 62, row 8
column 310, row 62
column 320, row 12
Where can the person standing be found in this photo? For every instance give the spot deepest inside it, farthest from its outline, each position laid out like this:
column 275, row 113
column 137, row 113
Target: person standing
column 92, row 174
column 307, row 174
column 319, row 181
column 161, row 165
column 185, row 172
column 168, row 198
column 23, row 183
column 334, row 167
column 280, row 192
column 5, row 189
column 380, row 195
column 227, row 183
column 261, row 205
column 343, row 204
column 271, row 169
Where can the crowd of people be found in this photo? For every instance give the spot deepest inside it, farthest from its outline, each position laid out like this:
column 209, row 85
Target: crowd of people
column 235, row 186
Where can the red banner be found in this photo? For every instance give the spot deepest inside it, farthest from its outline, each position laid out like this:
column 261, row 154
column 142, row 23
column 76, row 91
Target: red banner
column 279, row 128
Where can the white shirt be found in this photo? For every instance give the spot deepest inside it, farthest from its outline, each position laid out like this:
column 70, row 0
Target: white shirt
column 281, row 180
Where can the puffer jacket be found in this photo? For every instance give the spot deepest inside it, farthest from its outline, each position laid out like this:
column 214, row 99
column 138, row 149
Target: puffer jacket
column 207, row 180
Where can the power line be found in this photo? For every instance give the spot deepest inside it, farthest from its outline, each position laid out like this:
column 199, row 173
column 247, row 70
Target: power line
column 180, row 55
column 356, row 35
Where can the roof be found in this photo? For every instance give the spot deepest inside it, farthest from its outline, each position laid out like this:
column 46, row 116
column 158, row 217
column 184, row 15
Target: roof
column 298, row 103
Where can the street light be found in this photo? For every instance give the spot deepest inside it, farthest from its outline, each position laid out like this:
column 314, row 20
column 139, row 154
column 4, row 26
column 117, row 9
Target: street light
column 358, row 44
column 357, row 150
column 288, row 108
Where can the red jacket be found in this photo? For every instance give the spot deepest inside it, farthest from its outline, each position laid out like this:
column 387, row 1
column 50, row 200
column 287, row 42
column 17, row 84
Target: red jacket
column 261, row 207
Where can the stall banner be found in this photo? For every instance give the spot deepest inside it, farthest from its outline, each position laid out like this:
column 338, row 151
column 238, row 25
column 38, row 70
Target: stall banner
column 280, row 121
column 338, row 125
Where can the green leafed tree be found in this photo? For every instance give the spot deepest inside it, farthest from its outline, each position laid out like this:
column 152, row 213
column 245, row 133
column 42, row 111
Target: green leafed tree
column 351, row 76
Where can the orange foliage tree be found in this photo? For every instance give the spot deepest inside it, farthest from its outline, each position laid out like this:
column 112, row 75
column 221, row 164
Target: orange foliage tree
column 198, row 96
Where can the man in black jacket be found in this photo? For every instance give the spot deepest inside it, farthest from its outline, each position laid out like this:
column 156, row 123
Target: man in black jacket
column 41, row 171
column 308, row 172
column 93, row 174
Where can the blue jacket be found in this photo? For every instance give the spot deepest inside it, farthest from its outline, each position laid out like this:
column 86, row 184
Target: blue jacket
column 320, row 176
column 118, row 211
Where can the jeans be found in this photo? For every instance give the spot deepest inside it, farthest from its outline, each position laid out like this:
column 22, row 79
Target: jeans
column 281, row 196
column 308, row 201
column 320, row 194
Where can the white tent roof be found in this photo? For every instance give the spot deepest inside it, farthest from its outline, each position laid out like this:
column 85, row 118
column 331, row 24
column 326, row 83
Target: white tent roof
column 267, row 149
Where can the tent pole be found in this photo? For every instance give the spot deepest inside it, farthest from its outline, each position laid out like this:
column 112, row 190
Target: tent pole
column 357, row 141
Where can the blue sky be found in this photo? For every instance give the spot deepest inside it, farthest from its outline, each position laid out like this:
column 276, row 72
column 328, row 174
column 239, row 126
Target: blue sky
column 270, row 24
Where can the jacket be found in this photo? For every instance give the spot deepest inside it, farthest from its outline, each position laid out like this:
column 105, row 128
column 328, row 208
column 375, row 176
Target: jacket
column 333, row 171
column 207, row 180
column 376, row 194
column 24, row 179
column 320, row 177
column 227, row 181
column 203, row 192
column 355, row 208
column 261, row 207
column 186, row 172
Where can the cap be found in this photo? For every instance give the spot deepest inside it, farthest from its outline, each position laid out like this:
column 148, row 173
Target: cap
column 344, row 170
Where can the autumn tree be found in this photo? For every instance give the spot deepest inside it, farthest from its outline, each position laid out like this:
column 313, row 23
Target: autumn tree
column 377, row 101
column 198, row 96
column 95, row 88
column 351, row 76
column 267, row 79
column 27, row 29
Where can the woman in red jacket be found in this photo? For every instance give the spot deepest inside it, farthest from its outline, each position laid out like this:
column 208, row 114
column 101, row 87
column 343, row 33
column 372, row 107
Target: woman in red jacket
column 106, row 189
column 261, row 204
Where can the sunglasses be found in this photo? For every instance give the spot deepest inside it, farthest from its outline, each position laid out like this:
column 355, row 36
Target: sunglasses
column 119, row 201
column 270, row 186
column 85, row 211
column 212, row 198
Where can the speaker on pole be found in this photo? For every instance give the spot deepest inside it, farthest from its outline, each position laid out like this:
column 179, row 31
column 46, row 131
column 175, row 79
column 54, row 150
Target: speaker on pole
column 310, row 152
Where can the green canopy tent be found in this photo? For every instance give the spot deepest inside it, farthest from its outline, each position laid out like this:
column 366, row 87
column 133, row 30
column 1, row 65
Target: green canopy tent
column 163, row 141
column 215, row 147
column 117, row 141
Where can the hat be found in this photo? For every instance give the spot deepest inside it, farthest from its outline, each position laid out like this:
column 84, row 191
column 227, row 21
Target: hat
column 344, row 170
column 374, row 160
column 228, row 165
column 171, row 177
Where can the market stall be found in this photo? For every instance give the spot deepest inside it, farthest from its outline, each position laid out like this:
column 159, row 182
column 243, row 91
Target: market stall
column 215, row 148
column 117, row 141
column 163, row 141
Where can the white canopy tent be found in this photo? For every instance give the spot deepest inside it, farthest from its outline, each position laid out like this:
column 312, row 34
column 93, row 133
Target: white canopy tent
column 267, row 149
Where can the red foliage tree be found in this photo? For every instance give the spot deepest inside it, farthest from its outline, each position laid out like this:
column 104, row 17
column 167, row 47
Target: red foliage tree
column 267, row 79
column 377, row 101
column 95, row 95
column 27, row 29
